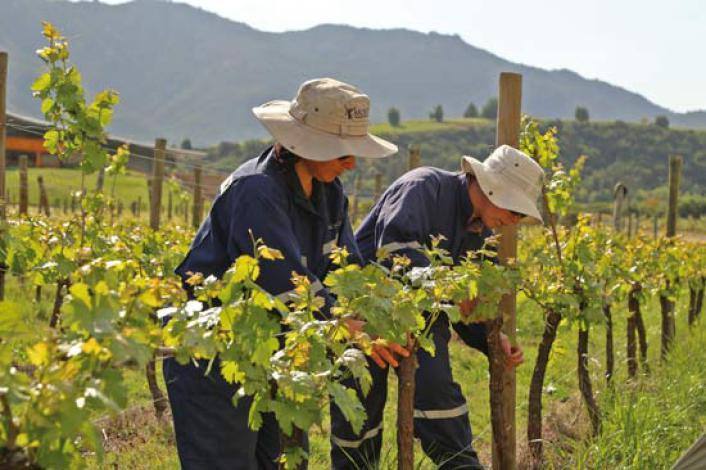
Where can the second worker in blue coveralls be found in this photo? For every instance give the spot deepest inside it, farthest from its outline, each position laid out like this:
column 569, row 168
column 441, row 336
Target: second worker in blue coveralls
column 463, row 207
column 291, row 198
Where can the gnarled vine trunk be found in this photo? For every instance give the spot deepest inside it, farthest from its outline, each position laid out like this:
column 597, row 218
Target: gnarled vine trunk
column 406, row 372
column 534, row 413
column 609, row 355
column 585, row 380
column 296, row 440
column 502, row 454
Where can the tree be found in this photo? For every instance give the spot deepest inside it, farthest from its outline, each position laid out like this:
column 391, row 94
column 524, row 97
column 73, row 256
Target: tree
column 438, row 114
column 662, row 121
column 186, row 144
column 471, row 111
column 581, row 114
column 393, row 117
column 490, row 110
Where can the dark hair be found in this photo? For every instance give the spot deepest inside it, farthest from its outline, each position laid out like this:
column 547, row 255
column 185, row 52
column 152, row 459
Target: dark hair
column 286, row 157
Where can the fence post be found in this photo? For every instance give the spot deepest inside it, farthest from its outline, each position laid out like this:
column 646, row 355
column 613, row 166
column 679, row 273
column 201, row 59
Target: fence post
column 378, row 186
column 139, row 206
column 160, row 146
column 655, row 225
column 675, row 164
column 356, row 198
column 502, row 381
column 3, row 202
column 43, row 198
column 666, row 304
column 415, row 157
column 169, row 205
column 198, row 198
column 620, row 193
column 24, row 187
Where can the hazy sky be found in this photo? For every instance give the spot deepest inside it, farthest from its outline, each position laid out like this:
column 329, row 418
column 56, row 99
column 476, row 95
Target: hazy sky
column 653, row 47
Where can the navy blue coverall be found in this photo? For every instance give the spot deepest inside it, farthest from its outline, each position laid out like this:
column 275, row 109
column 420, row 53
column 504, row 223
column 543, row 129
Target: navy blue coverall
column 423, row 202
column 263, row 195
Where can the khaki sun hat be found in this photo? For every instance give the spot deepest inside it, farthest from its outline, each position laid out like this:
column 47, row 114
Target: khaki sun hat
column 327, row 119
column 509, row 178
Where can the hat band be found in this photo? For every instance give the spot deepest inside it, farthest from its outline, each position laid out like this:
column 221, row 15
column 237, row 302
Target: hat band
column 321, row 123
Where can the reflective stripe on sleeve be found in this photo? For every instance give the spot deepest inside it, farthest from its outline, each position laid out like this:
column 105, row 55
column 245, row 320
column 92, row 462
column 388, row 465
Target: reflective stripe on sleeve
column 442, row 414
column 355, row 444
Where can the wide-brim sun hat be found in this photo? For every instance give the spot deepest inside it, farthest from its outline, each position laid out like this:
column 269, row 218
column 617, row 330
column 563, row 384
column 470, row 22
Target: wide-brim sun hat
column 509, row 178
column 327, row 119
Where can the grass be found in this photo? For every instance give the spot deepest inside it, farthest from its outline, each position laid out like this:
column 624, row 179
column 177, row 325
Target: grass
column 648, row 422
column 62, row 182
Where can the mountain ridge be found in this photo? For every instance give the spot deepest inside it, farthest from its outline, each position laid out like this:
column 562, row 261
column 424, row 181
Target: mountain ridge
column 185, row 72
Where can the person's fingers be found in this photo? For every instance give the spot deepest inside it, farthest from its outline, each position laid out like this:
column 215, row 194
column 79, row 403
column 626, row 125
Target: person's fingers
column 398, row 349
column 376, row 358
column 387, row 356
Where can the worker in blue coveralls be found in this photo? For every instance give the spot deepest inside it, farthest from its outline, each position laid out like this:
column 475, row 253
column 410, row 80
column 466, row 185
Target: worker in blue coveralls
column 463, row 207
column 291, row 198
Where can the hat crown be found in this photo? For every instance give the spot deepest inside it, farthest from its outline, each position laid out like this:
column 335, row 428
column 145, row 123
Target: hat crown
column 518, row 168
column 332, row 106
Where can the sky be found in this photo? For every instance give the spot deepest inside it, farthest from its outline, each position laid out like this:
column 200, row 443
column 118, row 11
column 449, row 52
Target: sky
column 652, row 47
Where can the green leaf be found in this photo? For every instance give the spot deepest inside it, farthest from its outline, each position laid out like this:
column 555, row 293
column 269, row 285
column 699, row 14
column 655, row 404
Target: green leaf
column 42, row 82
column 47, row 105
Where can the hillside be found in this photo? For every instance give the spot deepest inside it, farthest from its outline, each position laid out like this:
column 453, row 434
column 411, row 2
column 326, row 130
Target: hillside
column 184, row 72
column 635, row 154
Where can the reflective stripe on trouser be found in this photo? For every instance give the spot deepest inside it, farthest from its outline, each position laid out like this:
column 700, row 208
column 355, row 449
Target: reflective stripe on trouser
column 211, row 433
column 441, row 416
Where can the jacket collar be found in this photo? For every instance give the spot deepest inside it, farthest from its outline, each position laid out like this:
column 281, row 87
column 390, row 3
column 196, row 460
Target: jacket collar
column 471, row 223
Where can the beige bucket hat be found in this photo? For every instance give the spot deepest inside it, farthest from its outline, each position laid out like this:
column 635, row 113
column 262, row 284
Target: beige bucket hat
column 510, row 179
column 327, row 119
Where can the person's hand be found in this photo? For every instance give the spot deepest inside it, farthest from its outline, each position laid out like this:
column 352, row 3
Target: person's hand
column 383, row 353
column 513, row 354
column 467, row 306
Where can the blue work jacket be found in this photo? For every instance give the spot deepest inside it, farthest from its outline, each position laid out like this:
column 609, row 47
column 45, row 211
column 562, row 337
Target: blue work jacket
column 420, row 204
column 264, row 196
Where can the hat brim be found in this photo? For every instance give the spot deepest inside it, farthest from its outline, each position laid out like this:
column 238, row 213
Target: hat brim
column 499, row 190
column 313, row 144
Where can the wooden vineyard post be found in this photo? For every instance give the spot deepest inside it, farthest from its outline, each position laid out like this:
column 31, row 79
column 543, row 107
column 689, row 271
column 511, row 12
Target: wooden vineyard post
column 3, row 192
column 170, row 206
column 158, row 399
column 378, row 186
column 502, row 381
column 356, row 199
column 198, row 199
column 415, row 157
column 160, row 146
column 667, row 305
column 675, row 164
column 620, row 193
column 43, row 198
column 24, row 186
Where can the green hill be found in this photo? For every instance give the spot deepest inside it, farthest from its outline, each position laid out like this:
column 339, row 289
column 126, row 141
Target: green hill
column 183, row 72
column 635, row 154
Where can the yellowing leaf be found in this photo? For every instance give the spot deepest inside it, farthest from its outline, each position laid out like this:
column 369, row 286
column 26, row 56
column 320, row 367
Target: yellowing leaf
column 39, row 354
column 150, row 298
column 231, row 372
column 91, row 347
column 269, row 253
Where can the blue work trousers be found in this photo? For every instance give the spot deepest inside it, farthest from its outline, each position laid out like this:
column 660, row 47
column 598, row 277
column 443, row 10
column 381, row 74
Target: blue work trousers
column 440, row 417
